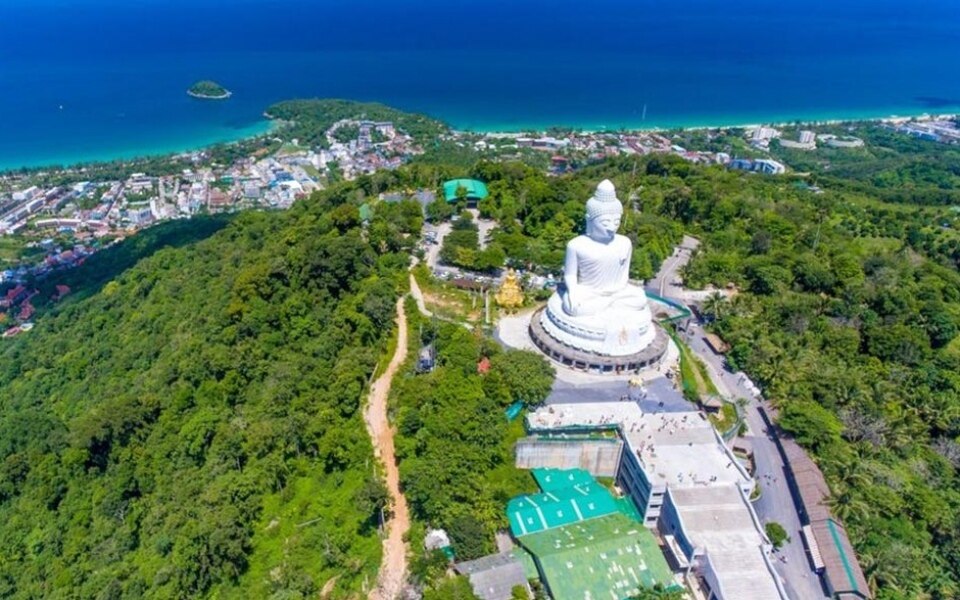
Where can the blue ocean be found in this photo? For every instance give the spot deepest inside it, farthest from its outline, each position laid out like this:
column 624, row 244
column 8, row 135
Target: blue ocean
column 101, row 79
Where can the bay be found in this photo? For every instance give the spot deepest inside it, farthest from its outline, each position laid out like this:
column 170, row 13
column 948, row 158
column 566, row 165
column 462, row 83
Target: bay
column 103, row 79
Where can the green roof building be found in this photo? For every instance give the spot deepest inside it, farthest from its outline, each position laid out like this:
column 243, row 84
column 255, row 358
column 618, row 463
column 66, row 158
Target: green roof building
column 366, row 212
column 476, row 190
column 608, row 557
column 584, row 542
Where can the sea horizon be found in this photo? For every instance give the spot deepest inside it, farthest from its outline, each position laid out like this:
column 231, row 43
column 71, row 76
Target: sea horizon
column 68, row 98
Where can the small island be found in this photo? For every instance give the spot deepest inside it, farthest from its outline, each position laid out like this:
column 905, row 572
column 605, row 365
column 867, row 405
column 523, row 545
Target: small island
column 209, row 90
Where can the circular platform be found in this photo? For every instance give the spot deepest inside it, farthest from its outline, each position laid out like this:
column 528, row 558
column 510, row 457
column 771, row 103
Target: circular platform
column 597, row 363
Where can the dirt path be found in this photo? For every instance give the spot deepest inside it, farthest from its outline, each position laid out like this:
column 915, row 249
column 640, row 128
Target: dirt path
column 393, row 565
column 418, row 296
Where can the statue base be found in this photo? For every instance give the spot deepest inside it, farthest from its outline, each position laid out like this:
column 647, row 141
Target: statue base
column 586, row 360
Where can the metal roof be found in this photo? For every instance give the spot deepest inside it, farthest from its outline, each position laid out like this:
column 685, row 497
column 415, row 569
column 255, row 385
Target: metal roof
column 558, row 507
column 494, row 577
column 611, row 557
column 475, row 189
column 841, row 570
column 550, row 480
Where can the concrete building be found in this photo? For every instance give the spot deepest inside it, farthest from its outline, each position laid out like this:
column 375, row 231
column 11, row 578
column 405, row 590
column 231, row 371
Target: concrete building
column 686, row 483
column 761, row 165
column 494, row 577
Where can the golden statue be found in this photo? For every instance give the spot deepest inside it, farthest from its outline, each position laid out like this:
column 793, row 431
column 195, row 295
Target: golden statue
column 510, row 295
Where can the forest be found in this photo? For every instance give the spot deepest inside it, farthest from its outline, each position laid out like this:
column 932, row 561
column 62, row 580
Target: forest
column 844, row 313
column 187, row 424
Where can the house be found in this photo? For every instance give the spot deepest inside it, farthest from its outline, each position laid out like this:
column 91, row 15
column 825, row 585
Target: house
column 760, row 165
column 13, row 296
column 26, row 311
column 61, row 293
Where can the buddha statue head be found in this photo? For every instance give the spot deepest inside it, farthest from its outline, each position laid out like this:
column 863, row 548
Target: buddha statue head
column 604, row 211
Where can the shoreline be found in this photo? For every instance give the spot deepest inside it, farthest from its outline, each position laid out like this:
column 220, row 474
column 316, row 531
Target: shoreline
column 270, row 124
column 518, row 130
column 257, row 129
column 222, row 96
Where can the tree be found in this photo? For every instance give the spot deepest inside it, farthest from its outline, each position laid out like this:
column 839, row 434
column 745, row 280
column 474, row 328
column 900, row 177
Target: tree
column 777, row 534
column 527, row 375
column 468, row 537
column 519, row 592
column 715, row 306
column 461, row 195
column 439, row 210
column 659, row 592
column 812, row 425
column 451, row 588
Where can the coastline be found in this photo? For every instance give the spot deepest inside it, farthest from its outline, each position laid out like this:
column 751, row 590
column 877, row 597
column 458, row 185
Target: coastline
column 269, row 124
column 254, row 130
column 695, row 124
column 222, row 96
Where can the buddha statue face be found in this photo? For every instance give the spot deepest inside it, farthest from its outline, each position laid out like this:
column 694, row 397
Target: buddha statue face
column 603, row 228
column 603, row 213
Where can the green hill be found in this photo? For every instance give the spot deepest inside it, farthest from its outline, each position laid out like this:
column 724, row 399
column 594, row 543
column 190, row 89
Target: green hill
column 187, row 425
column 209, row 90
column 310, row 118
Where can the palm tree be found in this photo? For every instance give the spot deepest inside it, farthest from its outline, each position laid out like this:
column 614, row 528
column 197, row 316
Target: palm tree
column 715, row 306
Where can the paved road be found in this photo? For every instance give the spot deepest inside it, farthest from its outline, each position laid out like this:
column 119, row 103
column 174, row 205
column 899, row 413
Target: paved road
column 775, row 502
column 667, row 276
column 662, row 395
column 433, row 250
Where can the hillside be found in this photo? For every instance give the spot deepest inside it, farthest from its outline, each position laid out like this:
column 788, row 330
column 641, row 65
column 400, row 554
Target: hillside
column 188, row 424
column 845, row 315
column 209, row 90
column 310, row 118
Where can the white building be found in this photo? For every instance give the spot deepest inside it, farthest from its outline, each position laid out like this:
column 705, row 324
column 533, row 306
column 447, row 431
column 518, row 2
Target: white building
column 687, row 484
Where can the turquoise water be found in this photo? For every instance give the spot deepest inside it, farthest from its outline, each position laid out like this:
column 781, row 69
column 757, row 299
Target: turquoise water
column 102, row 79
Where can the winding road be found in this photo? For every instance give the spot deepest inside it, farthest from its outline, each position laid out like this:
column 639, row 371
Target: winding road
column 393, row 565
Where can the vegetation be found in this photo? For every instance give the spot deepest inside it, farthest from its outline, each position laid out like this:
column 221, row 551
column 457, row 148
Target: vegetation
column 461, row 247
column 658, row 592
column 847, row 316
column 450, row 588
column 777, row 534
column 208, row 90
column 309, row 119
column 345, row 133
column 186, row 424
column 454, row 443
column 695, row 381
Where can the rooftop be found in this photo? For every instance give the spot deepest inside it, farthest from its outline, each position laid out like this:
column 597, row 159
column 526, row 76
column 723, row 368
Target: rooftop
column 607, row 557
column 494, row 577
column 676, row 448
column 476, row 190
column 567, row 496
column 717, row 520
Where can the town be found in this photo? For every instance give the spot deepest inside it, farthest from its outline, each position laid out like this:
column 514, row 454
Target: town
column 64, row 224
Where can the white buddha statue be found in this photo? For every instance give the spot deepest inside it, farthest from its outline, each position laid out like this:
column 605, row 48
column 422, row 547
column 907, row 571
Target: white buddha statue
column 597, row 309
